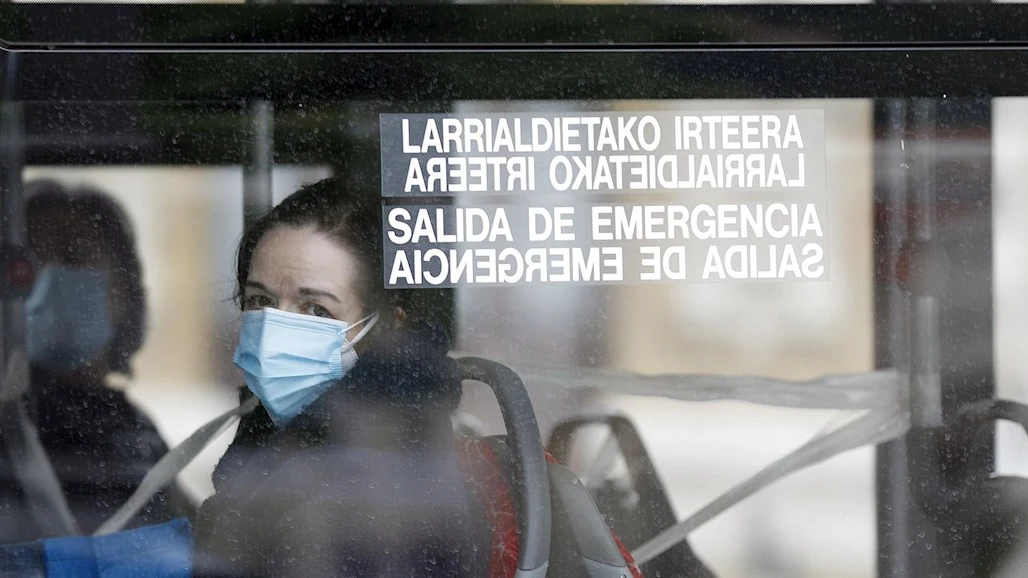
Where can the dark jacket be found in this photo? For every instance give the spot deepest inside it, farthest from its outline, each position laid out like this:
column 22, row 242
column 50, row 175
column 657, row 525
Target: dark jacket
column 363, row 483
column 100, row 447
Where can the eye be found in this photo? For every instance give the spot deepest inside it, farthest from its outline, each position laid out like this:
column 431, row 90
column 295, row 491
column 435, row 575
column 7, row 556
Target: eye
column 254, row 302
column 316, row 310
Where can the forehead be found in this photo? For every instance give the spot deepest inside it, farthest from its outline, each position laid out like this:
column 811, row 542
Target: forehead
column 289, row 258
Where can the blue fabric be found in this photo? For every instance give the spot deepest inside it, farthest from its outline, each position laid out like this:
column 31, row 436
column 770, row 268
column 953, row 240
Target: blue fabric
column 161, row 551
column 70, row 557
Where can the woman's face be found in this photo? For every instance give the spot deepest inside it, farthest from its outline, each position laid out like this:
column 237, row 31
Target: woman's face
column 59, row 236
column 301, row 270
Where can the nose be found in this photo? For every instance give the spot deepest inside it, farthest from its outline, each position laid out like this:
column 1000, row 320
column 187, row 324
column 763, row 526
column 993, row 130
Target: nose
column 288, row 305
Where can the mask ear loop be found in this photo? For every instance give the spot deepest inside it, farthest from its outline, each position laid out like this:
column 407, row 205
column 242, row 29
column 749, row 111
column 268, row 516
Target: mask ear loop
column 372, row 320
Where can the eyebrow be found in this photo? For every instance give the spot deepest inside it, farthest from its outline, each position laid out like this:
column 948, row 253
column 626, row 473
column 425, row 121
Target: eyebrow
column 305, row 291
column 318, row 293
column 257, row 286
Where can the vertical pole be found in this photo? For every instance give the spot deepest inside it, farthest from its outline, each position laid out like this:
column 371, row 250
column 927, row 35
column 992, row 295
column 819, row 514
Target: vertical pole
column 891, row 166
column 921, row 289
column 933, row 197
column 12, row 231
column 260, row 159
column 12, row 213
column 925, row 379
column 31, row 466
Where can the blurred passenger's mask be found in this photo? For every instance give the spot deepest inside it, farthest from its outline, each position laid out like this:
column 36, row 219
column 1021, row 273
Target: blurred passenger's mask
column 67, row 320
column 290, row 359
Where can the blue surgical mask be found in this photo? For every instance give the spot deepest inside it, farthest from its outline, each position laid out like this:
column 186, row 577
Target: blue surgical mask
column 289, row 359
column 67, row 319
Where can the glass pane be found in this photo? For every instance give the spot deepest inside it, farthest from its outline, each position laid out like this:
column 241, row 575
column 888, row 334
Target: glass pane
column 743, row 278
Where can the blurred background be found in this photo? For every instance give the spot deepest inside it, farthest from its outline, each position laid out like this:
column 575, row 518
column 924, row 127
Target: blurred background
column 819, row 523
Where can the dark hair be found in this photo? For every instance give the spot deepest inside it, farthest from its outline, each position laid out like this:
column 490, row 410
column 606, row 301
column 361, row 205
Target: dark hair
column 114, row 230
column 327, row 207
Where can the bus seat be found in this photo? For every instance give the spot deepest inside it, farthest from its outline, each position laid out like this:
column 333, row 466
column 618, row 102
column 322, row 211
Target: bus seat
column 581, row 544
column 994, row 504
column 640, row 510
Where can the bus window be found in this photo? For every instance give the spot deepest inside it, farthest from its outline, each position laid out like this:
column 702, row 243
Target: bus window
column 787, row 255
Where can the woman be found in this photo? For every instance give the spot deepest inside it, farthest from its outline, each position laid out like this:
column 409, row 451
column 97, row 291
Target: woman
column 348, row 465
column 85, row 321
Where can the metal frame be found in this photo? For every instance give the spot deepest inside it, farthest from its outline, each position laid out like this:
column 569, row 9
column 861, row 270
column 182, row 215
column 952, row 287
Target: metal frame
column 394, row 26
